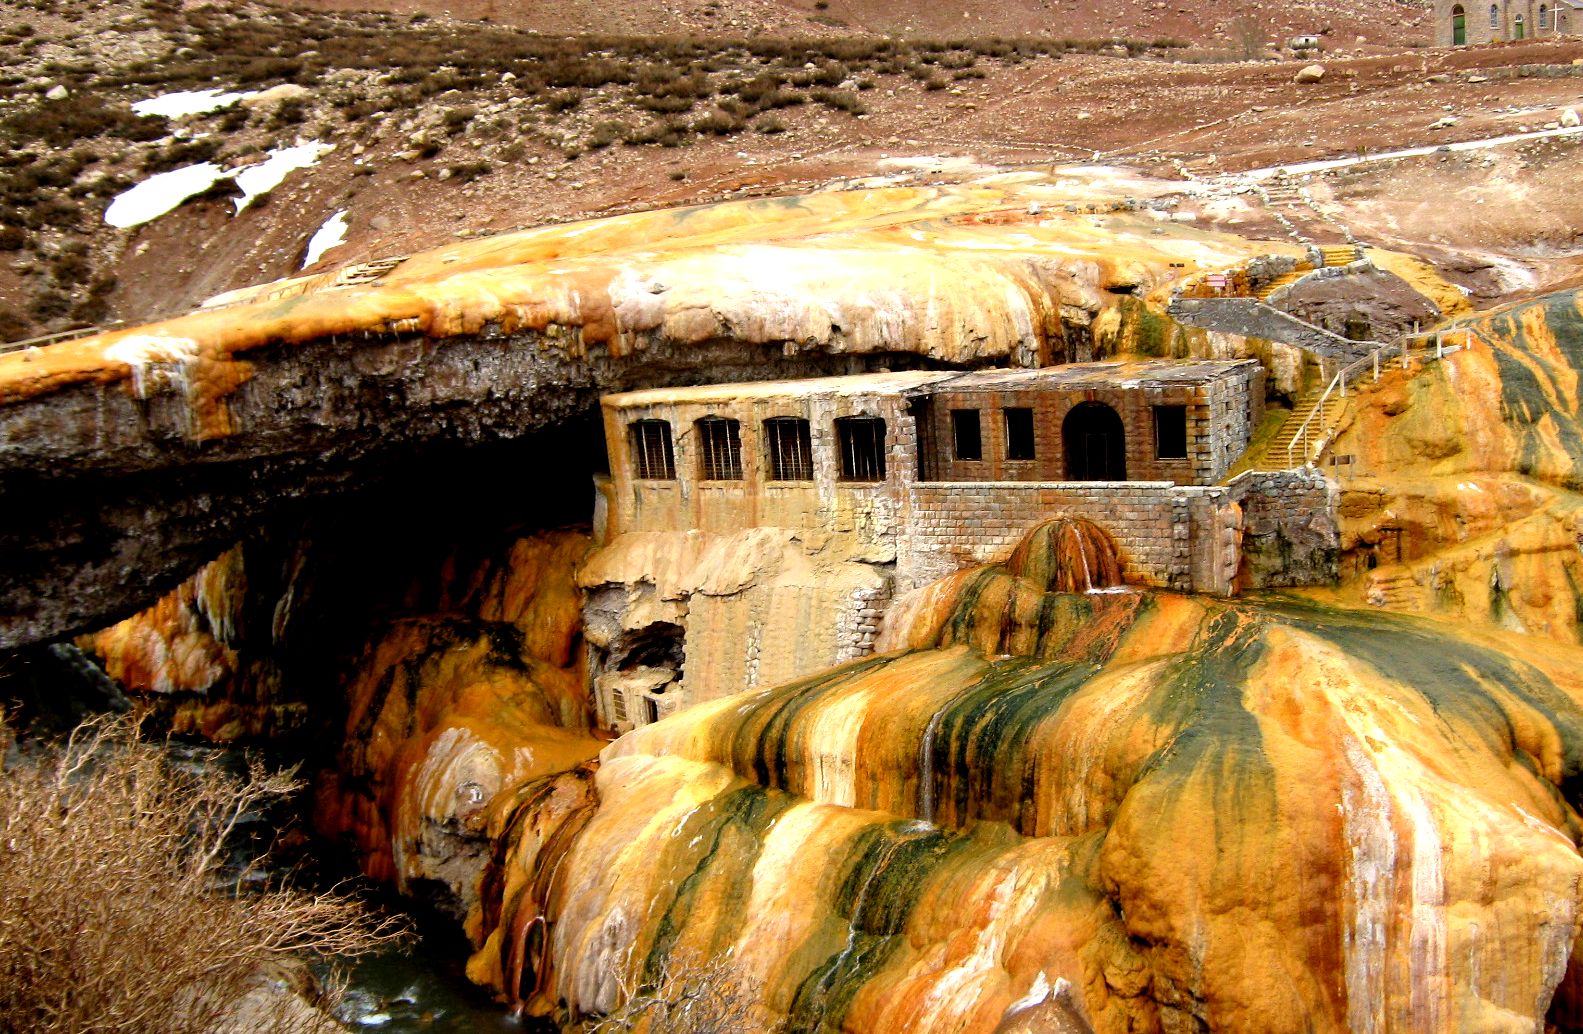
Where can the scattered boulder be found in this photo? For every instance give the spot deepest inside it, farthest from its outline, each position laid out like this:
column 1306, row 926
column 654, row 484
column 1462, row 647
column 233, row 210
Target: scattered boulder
column 1569, row 118
column 57, row 93
column 1310, row 74
column 277, row 95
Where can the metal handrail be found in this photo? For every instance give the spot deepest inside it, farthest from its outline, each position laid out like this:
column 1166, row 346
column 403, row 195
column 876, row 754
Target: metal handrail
column 59, row 335
column 1345, row 375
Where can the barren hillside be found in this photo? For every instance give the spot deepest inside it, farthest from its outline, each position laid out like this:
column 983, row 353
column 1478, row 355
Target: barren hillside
column 427, row 127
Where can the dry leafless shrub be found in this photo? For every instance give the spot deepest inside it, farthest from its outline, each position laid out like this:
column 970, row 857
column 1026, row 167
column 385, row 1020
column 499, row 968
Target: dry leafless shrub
column 116, row 910
column 691, row 996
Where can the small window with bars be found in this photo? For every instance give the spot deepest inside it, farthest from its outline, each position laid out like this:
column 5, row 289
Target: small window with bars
column 719, row 449
column 788, row 445
column 861, row 440
column 653, row 458
column 1019, row 433
column 966, row 441
column 1170, row 432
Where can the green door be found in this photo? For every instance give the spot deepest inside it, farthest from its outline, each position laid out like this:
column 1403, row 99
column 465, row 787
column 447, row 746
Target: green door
column 1459, row 28
column 1519, row 30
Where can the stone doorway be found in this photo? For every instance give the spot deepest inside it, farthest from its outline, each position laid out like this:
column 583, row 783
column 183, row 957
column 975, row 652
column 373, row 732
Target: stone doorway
column 1459, row 26
column 1096, row 443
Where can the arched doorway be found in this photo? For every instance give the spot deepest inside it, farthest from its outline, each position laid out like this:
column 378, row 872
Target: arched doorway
column 1459, row 26
column 1096, row 443
column 1519, row 30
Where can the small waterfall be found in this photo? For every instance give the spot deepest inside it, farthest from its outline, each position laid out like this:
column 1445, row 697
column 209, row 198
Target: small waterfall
column 1067, row 554
column 1088, row 575
column 926, row 767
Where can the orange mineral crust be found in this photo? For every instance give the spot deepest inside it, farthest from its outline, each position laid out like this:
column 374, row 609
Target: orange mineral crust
column 915, row 269
column 1158, row 812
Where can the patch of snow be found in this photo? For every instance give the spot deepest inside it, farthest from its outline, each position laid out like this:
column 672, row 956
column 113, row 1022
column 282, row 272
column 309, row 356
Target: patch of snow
column 1327, row 164
column 160, row 193
column 257, row 180
column 190, row 102
column 331, row 235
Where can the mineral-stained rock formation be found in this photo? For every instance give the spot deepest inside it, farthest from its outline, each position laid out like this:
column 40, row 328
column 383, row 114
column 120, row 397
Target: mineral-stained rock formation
column 129, row 459
column 1199, row 814
column 1462, row 477
column 448, row 711
column 1053, row 797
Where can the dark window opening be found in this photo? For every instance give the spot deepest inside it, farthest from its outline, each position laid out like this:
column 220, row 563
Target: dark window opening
column 921, row 409
column 1495, row 16
column 719, row 449
column 966, row 441
column 1170, row 432
column 789, row 445
column 861, row 440
column 651, row 710
column 1096, row 443
column 653, row 458
column 1019, row 434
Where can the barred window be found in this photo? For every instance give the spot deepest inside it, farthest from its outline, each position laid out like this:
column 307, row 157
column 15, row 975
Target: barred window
column 788, row 445
column 653, row 458
column 719, row 449
column 861, row 440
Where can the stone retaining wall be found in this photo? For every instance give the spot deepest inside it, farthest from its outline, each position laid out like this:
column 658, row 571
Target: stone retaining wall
column 1169, row 536
column 1290, row 536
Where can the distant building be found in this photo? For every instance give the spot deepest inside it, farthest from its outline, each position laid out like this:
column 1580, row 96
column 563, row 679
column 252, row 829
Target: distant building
column 1461, row 21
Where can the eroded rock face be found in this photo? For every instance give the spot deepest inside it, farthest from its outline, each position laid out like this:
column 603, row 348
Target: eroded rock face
column 1199, row 814
column 1460, row 496
column 451, row 712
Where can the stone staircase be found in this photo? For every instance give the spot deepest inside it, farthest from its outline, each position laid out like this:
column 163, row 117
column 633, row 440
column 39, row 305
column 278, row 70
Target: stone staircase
column 1278, row 453
column 1393, row 587
column 1280, row 283
column 1341, row 254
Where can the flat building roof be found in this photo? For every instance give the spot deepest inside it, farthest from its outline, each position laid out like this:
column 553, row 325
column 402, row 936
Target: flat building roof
column 1112, row 374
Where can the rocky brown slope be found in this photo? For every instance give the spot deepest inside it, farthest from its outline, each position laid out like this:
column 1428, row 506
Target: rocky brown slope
column 444, row 127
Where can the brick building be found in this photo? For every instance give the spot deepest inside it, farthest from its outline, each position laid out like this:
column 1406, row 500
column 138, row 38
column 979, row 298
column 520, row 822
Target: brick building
column 1472, row 21
column 948, row 469
column 877, row 484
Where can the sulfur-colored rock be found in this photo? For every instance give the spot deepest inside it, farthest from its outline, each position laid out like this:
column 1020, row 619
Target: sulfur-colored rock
column 1245, row 817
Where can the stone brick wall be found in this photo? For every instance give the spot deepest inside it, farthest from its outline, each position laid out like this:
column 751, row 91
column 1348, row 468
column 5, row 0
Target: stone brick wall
column 1169, row 536
column 1221, row 415
column 1514, row 19
column 868, row 509
column 1290, row 535
column 1252, row 318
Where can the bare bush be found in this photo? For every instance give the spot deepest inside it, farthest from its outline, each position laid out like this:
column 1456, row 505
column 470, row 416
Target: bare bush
column 116, row 913
column 690, row 996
